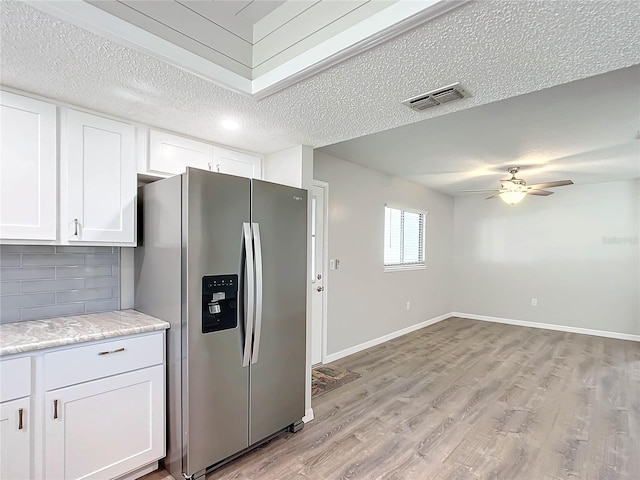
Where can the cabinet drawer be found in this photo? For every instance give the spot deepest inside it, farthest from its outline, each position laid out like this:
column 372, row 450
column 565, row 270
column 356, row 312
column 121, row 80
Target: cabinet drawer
column 15, row 378
column 81, row 364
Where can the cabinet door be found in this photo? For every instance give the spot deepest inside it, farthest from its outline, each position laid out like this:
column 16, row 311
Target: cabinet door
column 171, row 154
column 236, row 163
column 98, row 187
column 28, row 179
column 105, row 428
column 15, row 440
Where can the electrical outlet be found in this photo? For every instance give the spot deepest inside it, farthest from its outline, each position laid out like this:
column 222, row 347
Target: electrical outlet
column 408, row 305
column 534, row 302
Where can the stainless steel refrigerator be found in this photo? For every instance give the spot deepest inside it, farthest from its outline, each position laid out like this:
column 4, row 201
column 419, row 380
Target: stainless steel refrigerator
column 223, row 259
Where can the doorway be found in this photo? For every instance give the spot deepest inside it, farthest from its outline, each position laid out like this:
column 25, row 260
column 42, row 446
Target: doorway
column 319, row 264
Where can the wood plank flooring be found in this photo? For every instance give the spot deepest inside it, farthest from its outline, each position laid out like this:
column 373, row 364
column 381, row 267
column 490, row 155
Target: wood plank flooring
column 465, row 399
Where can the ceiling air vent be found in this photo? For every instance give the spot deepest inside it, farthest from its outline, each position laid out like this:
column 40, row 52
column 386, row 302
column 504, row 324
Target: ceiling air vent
column 436, row 97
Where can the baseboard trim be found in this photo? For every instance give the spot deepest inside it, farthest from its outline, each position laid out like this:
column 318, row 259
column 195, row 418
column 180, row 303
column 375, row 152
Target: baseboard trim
column 308, row 415
column 549, row 326
column 385, row 338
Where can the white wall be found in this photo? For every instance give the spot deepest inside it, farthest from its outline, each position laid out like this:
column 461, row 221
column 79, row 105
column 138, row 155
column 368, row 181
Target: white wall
column 292, row 166
column 577, row 252
column 364, row 303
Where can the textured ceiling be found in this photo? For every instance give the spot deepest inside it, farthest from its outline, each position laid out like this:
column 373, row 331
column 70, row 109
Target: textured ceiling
column 586, row 130
column 496, row 49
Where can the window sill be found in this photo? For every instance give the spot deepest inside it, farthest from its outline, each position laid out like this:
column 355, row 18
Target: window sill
column 402, row 268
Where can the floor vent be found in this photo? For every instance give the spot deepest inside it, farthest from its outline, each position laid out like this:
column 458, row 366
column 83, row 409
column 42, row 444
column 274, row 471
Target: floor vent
column 436, row 97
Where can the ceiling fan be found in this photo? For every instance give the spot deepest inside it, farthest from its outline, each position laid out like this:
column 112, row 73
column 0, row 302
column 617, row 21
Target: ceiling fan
column 515, row 189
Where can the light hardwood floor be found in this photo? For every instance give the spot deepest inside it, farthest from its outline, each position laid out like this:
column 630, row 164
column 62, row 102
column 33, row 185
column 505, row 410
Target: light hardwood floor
column 465, row 399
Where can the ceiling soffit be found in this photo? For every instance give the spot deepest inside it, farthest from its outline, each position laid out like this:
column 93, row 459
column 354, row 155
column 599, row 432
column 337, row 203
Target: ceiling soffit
column 254, row 48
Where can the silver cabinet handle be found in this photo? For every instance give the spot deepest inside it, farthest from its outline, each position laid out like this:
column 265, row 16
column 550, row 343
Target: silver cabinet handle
column 209, row 164
column 107, row 352
column 218, row 167
column 76, row 227
column 55, row 409
column 248, row 321
column 258, row 257
column 20, row 416
column 320, row 289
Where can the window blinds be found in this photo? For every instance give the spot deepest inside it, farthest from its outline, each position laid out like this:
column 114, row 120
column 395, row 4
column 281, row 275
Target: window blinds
column 404, row 234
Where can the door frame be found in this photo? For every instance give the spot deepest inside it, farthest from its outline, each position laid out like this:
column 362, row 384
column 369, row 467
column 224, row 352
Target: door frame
column 325, row 262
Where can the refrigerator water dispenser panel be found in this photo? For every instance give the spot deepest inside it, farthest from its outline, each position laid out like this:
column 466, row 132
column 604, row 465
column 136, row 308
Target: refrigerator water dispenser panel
column 219, row 302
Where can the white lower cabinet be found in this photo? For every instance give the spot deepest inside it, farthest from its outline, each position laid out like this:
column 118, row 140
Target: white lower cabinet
column 94, row 410
column 15, row 439
column 105, row 428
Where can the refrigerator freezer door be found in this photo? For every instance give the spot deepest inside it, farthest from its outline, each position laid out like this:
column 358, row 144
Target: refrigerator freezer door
column 215, row 384
column 278, row 377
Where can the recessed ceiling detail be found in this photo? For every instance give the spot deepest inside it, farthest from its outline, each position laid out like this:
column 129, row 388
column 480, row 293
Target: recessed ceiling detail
column 250, row 46
column 436, row 97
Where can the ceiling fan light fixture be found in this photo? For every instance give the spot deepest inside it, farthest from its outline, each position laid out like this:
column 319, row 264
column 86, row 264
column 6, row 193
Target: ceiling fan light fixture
column 512, row 196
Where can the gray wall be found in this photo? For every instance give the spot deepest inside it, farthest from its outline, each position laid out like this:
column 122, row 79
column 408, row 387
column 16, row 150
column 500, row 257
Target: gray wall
column 577, row 252
column 47, row 281
column 364, row 303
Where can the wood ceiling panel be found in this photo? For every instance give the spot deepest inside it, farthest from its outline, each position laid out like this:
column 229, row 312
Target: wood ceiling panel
column 280, row 16
column 302, row 26
column 153, row 26
column 224, row 13
column 196, row 27
column 316, row 38
column 256, row 10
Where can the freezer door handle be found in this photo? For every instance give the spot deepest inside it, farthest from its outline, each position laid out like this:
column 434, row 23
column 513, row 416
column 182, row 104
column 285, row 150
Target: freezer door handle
column 258, row 257
column 248, row 320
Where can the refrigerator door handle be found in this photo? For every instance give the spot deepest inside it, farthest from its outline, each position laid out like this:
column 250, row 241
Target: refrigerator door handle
column 258, row 257
column 248, row 320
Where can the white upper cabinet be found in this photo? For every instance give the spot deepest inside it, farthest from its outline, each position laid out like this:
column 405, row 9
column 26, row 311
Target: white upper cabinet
column 236, row 163
column 28, row 182
column 98, row 180
column 171, row 154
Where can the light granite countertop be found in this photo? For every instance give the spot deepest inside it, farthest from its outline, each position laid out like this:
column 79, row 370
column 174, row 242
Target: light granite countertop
column 21, row 337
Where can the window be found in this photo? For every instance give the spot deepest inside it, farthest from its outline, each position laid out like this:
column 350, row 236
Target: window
column 404, row 239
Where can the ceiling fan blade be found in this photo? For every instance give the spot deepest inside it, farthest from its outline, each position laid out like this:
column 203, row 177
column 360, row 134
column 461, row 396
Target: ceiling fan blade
column 479, row 191
column 542, row 193
column 559, row 183
column 494, row 195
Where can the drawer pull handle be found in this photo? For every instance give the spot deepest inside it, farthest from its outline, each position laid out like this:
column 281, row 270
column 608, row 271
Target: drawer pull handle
column 55, row 409
column 20, row 415
column 107, row 352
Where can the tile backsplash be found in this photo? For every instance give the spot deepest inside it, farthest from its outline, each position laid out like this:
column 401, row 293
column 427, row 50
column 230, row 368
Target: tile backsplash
column 47, row 281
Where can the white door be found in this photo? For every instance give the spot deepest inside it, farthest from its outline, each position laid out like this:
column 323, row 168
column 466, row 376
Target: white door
column 15, row 453
column 318, row 280
column 105, row 428
column 98, row 180
column 28, row 177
